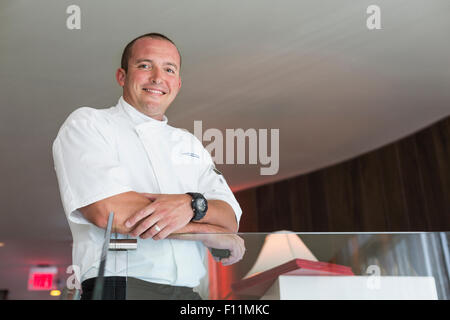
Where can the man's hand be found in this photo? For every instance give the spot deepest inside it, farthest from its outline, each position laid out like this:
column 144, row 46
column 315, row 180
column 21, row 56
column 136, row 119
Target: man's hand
column 232, row 242
column 166, row 214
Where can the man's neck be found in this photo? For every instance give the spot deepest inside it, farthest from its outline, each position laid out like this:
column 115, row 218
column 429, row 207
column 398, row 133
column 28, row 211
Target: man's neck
column 158, row 117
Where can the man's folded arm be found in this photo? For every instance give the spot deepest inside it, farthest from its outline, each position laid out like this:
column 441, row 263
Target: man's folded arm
column 220, row 216
column 124, row 205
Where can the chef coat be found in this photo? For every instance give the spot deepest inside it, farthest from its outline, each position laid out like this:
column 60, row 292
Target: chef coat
column 99, row 153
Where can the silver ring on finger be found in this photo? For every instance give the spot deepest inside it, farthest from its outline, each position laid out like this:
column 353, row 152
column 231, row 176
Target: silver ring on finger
column 158, row 229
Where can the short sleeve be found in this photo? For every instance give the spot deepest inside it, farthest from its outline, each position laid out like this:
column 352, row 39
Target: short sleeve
column 86, row 163
column 213, row 185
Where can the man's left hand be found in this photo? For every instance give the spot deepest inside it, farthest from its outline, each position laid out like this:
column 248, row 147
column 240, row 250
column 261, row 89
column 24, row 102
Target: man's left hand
column 166, row 214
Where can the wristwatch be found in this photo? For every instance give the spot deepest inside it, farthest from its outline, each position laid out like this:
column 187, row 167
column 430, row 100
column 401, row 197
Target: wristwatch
column 199, row 205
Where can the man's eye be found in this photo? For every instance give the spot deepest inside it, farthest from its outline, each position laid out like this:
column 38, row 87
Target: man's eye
column 170, row 70
column 144, row 66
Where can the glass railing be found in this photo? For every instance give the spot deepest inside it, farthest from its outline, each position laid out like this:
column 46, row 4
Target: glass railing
column 280, row 265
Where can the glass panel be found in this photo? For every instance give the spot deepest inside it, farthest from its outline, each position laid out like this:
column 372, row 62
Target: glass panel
column 278, row 265
column 292, row 266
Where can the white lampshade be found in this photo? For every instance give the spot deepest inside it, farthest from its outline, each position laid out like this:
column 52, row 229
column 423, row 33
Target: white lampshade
column 278, row 248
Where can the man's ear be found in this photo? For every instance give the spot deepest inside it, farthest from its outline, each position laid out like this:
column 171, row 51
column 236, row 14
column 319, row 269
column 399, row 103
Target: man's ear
column 121, row 75
column 179, row 84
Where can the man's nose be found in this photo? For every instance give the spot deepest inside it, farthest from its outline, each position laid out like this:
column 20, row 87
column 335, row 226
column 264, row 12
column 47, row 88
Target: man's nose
column 156, row 76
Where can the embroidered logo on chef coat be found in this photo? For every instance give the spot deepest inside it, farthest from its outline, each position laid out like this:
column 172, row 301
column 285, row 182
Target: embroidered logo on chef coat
column 185, row 150
column 190, row 154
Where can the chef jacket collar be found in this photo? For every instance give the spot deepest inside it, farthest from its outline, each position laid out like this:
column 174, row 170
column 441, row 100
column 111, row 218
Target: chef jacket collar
column 139, row 118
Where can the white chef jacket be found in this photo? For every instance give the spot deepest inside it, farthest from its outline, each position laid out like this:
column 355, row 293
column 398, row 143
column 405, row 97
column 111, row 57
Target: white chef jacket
column 99, row 153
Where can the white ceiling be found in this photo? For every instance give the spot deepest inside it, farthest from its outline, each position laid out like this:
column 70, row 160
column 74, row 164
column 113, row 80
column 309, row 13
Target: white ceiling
column 333, row 88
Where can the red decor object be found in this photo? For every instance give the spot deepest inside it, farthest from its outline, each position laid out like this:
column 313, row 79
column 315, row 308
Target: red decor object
column 259, row 283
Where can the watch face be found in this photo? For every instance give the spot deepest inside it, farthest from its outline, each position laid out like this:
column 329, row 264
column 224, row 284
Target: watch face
column 200, row 204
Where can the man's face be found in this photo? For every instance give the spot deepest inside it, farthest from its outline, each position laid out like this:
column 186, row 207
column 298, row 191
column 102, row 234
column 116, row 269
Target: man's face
column 153, row 78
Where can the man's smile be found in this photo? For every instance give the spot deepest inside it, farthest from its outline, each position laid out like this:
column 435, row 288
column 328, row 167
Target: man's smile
column 156, row 92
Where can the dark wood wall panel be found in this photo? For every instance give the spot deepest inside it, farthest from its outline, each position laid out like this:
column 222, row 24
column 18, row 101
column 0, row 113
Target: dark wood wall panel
column 412, row 184
column 441, row 139
column 319, row 207
column 395, row 208
column 432, row 186
column 265, row 204
column 404, row 186
column 372, row 193
column 282, row 208
column 247, row 201
column 301, row 197
column 339, row 193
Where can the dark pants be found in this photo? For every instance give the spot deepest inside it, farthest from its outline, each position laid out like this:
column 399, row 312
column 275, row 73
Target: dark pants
column 121, row 288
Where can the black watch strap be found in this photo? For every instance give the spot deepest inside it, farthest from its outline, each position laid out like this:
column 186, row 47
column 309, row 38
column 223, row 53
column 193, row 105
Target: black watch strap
column 199, row 205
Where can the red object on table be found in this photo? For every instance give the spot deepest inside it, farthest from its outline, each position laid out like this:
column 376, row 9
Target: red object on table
column 259, row 283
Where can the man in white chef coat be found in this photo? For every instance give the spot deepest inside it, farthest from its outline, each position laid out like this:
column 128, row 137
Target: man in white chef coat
column 158, row 180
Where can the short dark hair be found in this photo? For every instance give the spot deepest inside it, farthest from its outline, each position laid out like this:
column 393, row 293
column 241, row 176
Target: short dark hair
column 126, row 54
